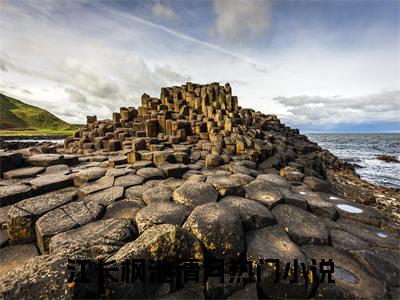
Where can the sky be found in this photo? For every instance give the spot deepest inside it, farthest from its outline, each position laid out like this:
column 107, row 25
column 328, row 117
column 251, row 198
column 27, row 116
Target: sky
column 320, row 66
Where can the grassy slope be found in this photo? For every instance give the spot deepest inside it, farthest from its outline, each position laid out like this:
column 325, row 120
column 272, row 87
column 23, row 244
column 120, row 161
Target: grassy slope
column 19, row 118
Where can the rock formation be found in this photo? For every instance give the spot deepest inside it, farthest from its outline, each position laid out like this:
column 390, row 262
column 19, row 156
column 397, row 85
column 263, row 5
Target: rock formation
column 192, row 175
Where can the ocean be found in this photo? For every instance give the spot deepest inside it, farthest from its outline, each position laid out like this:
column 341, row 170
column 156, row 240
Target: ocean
column 362, row 149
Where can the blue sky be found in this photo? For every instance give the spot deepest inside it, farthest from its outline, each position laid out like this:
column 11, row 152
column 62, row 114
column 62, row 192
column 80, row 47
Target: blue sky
column 319, row 65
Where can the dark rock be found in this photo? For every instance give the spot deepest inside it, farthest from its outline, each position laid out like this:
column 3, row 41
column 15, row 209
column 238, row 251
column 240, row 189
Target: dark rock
column 23, row 215
column 12, row 256
column 253, row 214
column 316, row 184
column 150, row 173
column 23, row 172
column 345, row 241
column 157, row 194
column 3, row 237
column 123, row 209
column 193, row 195
column 388, row 158
column 219, row 228
column 264, row 193
column 156, row 213
column 45, row 160
column 96, row 186
column 295, row 199
column 249, row 292
column 360, row 213
column 321, row 207
column 107, row 196
column 128, row 180
column 351, row 281
column 274, row 180
column 226, row 186
column 68, row 216
column 135, row 192
column 213, row 160
column 94, row 240
column 114, row 161
column 302, row 226
column 10, row 161
column 87, row 175
column 49, row 183
column 13, row 193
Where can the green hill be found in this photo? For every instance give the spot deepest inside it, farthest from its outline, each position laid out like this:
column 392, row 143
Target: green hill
column 19, row 118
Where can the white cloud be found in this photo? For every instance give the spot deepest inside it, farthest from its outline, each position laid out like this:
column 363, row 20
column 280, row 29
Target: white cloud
column 235, row 19
column 327, row 111
column 164, row 11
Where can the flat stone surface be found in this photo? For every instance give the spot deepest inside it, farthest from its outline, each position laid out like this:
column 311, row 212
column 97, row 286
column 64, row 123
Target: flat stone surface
column 120, row 172
column 383, row 263
column 96, row 186
column 41, row 277
column 343, row 240
column 12, row 256
column 123, row 209
column 49, row 183
column 88, row 174
column 68, row 216
column 219, row 228
column 193, row 195
column 157, row 194
column 58, row 169
column 274, row 180
column 11, row 194
column 264, row 193
column 226, row 186
column 135, row 192
column 243, row 179
column 293, row 198
column 128, row 180
column 161, row 213
column 23, row 215
column 360, row 213
column 321, row 207
column 302, row 226
column 150, row 173
column 161, row 242
column 94, row 240
column 351, row 281
column 142, row 164
column 172, row 182
column 316, row 184
column 254, row 215
column 3, row 214
column 23, row 172
column 106, row 197
column 45, row 160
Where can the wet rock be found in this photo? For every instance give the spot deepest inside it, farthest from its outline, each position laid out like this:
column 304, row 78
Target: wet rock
column 219, row 228
column 128, row 180
column 157, row 194
column 93, row 240
column 264, row 193
column 107, row 196
column 45, row 160
column 357, row 212
column 96, row 186
column 302, row 226
column 193, row 195
column 49, row 183
column 374, row 236
column 156, row 213
column 388, row 158
column 382, row 263
column 23, row 172
column 253, row 214
column 23, row 215
column 40, row 277
column 321, row 207
column 68, row 216
column 316, row 184
column 123, row 209
column 12, row 256
column 226, row 186
column 351, row 281
column 345, row 241
column 87, row 175
column 150, row 173
column 14, row 193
